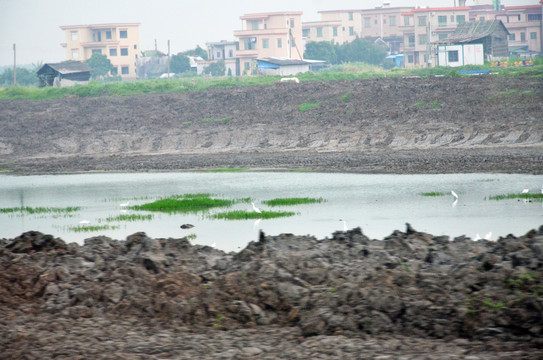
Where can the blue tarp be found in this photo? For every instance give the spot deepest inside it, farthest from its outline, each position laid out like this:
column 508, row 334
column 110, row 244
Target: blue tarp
column 473, row 72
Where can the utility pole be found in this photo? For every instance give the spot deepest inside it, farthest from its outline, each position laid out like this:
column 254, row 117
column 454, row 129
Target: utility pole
column 14, row 65
column 168, row 59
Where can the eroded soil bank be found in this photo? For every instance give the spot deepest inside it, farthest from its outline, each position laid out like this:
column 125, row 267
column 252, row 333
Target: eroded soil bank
column 411, row 295
column 434, row 125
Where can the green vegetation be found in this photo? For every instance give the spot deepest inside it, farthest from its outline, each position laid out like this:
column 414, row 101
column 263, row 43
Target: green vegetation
column 40, row 210
column 186, row 203
column 228, row 170
column 435, row 104
column 91, row 228
column 522, row 281
column 527, row 196
column 433, row 193
column 191, row 236
column 244, row 215
column 346, row 97
column 419, row 104
column 308, row 105
column 129, row 217
column 292, row 201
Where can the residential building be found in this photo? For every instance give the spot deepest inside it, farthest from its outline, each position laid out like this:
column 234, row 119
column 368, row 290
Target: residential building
column 524, row 26
column 346, row 25
column 120, row 42
column 423, row 27
column 265, row 35
column 225, row 51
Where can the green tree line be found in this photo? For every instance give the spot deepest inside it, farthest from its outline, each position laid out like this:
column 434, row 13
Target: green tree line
column 359, row 50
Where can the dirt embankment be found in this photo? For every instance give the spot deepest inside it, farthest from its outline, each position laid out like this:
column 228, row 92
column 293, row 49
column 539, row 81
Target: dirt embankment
column 489, row 116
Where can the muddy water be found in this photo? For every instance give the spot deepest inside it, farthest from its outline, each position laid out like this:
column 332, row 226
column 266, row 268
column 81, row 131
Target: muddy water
column 379, row 204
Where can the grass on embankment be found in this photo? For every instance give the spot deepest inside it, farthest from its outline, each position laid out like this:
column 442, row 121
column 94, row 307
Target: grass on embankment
column 292, row 201
column 347, row 71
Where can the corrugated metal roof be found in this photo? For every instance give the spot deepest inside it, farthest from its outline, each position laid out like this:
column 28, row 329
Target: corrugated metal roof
column 67, row 67
column 283, row 61
column 473, row 30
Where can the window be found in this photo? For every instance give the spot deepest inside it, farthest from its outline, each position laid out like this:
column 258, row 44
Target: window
column 335, row 30
column 351, row 30
column 392, row 20
column 367, row 22
column 512, row 37
column 75, row 53
column 384, row 21
column 460, row 19
column 279, row 43
column 411, row 40
column 375, row 21
column 422, row 40
column 112, row 52
column 218, row 54
column 230, row 53
column 305, row 32
column 253, row 25
column 293, row 42
column 410, row 59
column 319, row 32
column 452, row 19
column 533, row 36
column 291, row 23
column 442, row 36
column 452, row 55
column 96, row 51
column 74, row 35
column 114, row 70
column 422, row 20
column 406, row 20
column 108, row 34
column 482, row 18
column 247, row 65
column 534, row 17
column 441, row 21
column 123, row 34
column 250, row 43
column 124, row 70
column 522, row 36
column 350, row 16
column 124, row 51
column 265, row 43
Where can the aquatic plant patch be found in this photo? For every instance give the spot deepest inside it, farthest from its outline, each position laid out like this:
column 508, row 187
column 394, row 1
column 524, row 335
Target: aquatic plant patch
column 129, row 217
column 186, row 203
column 525, row 196
column 433, row 193
column 91, row 228
column 244, row 215
column 40, row 210
column 292, row 201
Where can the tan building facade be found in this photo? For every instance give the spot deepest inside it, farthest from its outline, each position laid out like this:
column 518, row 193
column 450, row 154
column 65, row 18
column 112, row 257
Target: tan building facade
column 120, row 42
column 265, row 35
column 423, row 27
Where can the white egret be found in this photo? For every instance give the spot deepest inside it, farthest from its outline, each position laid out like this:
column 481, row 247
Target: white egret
column 488, row 236
column 454, row 195
column 345, row 228
column 257, row 221
column 125, row 204
column 257, row 210
column 477, row 237
column 525, row 191
column 84, row 222
column 214, row 245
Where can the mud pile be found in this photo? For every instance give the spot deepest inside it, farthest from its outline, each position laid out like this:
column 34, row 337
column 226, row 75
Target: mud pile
column 411, row 293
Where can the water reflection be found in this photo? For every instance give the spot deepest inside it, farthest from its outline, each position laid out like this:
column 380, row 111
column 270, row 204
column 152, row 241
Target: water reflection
column 378, row 204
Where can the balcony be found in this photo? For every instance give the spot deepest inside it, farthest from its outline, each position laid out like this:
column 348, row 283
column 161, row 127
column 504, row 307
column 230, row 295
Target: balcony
column 100, row 43
column 247, row 53
column 258, row 32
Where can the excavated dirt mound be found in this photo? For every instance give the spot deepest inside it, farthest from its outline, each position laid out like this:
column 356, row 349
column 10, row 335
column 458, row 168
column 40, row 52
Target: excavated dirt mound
column 441, row 124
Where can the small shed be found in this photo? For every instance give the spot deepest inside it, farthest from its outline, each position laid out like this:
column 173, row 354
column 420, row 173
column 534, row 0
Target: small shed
column 285, row 67
column 492, row 34
column 66, row 73
column 460, row 54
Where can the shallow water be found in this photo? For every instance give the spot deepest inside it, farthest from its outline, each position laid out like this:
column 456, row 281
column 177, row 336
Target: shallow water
column 379, row 204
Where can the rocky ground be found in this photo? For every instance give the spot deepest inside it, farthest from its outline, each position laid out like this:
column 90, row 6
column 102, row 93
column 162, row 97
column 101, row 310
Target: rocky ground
column 409, row 296
column 435, row 125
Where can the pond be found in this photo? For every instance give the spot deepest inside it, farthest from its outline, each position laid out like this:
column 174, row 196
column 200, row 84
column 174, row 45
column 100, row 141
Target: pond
column 379, row 204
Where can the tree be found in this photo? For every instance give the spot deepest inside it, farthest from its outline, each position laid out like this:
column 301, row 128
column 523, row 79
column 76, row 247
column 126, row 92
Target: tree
column 216, row 69
column 361, row 50
column 179, row 64
column 100, row 65
column 198, row 51
column 321, row 50
column 24, row 77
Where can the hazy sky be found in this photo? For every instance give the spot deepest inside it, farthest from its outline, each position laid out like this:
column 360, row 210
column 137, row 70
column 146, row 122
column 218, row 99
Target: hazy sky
column 34, row 24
